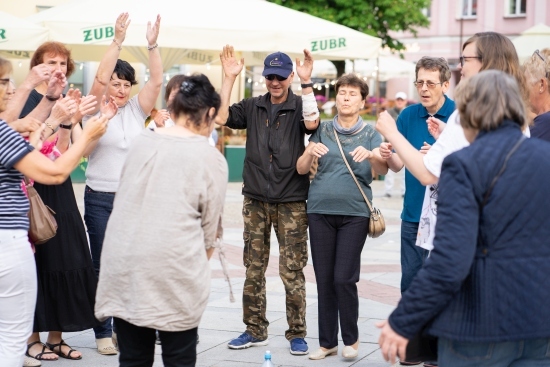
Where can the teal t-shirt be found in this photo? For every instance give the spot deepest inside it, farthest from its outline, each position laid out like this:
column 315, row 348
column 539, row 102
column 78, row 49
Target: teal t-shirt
column 333, row 190
column 411, row 123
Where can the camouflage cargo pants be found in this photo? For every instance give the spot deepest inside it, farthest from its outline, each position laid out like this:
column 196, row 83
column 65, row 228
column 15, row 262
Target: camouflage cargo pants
column 290, row 223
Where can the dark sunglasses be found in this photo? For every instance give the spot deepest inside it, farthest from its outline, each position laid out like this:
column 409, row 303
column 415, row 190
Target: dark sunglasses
column 273, row 77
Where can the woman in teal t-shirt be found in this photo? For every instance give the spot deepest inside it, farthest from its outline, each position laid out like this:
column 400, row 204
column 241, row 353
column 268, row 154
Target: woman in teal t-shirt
column 338, row 215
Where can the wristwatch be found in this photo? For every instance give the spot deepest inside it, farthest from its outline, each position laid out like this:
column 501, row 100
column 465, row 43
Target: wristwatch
column 308, row 85
column 68, row 127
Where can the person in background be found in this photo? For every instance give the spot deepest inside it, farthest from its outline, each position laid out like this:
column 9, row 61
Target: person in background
column 339, row 219
column 537, row 78
column 18, row 278
column 158, row 242
column 484, row 313
column 391, row 176
column 274, row 193
column 114, row 80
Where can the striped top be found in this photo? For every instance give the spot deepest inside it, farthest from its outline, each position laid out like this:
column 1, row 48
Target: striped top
column 14, row 205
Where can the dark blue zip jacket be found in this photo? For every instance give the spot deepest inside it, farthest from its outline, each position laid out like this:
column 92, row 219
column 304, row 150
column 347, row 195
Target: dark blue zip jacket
column 488, row 277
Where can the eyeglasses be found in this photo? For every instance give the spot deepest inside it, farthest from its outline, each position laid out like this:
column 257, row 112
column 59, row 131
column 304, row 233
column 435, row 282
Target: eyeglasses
column 271, row 77
column 462, row 58
column 4, row 82
column 420, row 83
column 539, row 55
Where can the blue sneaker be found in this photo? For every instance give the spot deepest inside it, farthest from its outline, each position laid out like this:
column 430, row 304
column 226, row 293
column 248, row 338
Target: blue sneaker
column 246, row 341
column 298, row 346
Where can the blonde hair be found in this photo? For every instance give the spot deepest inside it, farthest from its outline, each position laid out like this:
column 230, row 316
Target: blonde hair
column 487, row 99
column 535, row 68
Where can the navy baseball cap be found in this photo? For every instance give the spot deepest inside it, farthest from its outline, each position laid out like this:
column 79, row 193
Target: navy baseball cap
column 278, row 63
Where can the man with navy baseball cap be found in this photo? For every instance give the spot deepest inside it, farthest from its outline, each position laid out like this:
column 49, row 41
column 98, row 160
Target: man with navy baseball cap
column 274, row 193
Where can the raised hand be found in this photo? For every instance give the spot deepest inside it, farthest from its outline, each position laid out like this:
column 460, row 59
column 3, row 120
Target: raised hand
column 304, row 69
column 231, row 66
column 386, row 151
column 435, row 126
column 56, row 84
column 359, row 154
column 386, row 125
column 38, row 74
column 121, row 26
column 108, row 108
column 153, row 32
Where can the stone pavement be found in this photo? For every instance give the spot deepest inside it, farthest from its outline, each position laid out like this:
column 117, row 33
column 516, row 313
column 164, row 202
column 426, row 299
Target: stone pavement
column 222, row 320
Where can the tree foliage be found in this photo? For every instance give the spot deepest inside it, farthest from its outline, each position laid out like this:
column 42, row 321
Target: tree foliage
column 373, row 17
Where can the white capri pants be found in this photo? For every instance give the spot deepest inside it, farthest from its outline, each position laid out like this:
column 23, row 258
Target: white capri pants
column 17, row 295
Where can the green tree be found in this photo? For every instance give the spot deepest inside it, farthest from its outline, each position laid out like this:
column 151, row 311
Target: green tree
column 373, row 17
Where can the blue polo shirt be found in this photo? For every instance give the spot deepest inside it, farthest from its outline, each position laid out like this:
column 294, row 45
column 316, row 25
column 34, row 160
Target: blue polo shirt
column 411, row 123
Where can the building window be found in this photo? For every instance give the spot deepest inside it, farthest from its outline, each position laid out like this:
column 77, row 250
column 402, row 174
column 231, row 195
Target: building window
column 427, row 12
column 517, row 7
column 469, row 8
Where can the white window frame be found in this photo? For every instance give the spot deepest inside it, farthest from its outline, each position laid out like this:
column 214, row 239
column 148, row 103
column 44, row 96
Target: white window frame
column 427, row 12
column 468, row 5
column 517, row 12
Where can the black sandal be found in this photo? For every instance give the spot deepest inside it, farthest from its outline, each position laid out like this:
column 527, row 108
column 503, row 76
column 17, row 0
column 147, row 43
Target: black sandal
column 60, row 353
column 39, row 355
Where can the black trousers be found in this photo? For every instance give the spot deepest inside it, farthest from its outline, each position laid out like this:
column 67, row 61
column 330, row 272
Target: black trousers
column 336, row 245
column 137, row 346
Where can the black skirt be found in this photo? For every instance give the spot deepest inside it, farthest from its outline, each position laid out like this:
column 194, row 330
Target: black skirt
column 66, row 278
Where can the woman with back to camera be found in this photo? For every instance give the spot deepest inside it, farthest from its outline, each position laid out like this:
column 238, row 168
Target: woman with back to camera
column 482, row 290
column 158, row 241
column 18, row 281
column 114, row 79
column 338, row 215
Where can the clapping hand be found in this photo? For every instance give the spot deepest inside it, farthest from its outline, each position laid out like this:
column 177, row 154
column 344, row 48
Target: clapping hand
column 231, row 66
column 424, row 148
column 56, row 84
column 108, row 107
column 64, row 108
column 36, row 137
column 86, row 106
column 38, row 74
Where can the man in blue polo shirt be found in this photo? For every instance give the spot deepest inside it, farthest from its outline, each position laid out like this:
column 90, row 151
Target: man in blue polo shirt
column 432, row 81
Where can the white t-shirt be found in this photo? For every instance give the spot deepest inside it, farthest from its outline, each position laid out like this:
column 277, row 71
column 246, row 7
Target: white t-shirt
column 106, row 161
column 451, row 140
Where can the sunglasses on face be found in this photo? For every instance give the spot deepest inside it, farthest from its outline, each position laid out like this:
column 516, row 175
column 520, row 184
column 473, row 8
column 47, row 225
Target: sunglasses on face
column 271, row 77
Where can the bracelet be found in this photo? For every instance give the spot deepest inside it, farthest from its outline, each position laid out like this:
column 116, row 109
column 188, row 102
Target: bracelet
column 118, row 44
column 50, row 126
column 150, row 48
column 308, row 85
column 68, row 127
column 52, row 99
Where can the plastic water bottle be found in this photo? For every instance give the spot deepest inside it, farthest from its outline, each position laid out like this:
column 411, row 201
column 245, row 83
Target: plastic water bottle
column 267, row 360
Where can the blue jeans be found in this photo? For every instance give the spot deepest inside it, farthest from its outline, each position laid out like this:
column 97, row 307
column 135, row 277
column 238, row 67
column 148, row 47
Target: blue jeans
column 412, row 256
column 97, row 210
column 523, row 353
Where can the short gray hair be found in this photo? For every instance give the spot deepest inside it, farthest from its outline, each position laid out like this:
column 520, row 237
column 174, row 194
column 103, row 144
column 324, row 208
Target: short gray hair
column 434, row 64
column 487, row 99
